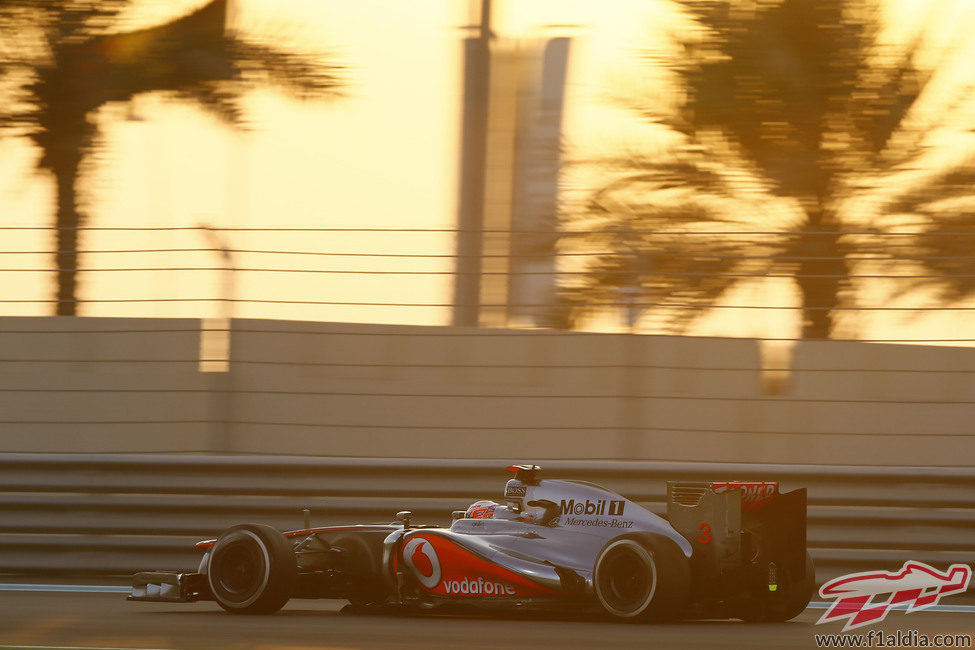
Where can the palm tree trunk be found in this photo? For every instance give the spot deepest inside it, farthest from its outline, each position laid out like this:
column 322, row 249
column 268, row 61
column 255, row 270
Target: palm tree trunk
column 821, row 275
column 65, row 164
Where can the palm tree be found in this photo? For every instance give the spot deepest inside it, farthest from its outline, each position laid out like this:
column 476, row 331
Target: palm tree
column 60, row 61
column 790, row 110
column 660, row 229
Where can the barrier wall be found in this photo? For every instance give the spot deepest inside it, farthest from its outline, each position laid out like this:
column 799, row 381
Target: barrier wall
column 121, row 513
column 332, row 389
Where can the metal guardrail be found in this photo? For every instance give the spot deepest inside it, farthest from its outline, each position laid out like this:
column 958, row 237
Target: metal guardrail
column 117, row 514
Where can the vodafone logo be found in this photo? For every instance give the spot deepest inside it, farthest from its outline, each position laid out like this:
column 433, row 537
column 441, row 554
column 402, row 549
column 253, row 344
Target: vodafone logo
column 420, row 555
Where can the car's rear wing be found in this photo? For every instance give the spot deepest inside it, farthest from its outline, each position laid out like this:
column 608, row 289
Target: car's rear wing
column 741, row 525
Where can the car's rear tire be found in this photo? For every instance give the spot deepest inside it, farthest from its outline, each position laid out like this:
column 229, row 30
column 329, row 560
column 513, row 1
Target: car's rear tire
column 252, row 569
column 642, row 577
column 794, row 599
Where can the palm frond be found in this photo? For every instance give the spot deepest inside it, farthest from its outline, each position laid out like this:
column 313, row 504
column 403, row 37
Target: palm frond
column 219, row 99
column 643, row 229
column 300, row 75
column 925, row 196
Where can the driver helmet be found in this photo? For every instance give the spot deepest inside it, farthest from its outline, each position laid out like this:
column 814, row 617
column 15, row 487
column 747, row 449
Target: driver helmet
column 483, row 509
column 487, row 509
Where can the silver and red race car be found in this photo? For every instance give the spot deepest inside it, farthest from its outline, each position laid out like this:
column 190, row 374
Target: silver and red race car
column 731, row 549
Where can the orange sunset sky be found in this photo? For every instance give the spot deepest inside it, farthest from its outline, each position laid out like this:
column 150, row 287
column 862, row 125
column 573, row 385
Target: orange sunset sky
column 384, row 154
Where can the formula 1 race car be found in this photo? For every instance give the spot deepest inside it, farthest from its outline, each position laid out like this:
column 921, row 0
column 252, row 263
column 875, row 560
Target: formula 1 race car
column 730, row 549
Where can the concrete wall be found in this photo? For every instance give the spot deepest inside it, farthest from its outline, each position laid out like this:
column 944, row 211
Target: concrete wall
column 87, row 384
column 102, row 384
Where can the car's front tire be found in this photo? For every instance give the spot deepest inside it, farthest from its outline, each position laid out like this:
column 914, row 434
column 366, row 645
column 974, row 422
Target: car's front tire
column 252, row 569
column 642, row 577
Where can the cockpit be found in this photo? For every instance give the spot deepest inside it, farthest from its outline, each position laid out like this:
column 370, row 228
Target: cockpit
column 520, row 502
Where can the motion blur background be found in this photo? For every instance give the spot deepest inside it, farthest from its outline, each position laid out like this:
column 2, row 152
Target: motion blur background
column 666, row 231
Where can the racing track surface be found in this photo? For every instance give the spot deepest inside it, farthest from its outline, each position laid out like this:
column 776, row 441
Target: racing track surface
column 108, row 620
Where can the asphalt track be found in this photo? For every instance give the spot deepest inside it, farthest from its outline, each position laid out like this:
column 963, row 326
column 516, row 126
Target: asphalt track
column 107, row 620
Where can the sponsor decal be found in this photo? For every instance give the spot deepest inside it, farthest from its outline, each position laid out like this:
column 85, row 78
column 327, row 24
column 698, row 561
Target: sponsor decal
column 470, row 586
column 515, row 490
column 420, row 555
column 598, row 523
column 445, row 568
column 600, row 507
column 754, row 494
column 916, row 583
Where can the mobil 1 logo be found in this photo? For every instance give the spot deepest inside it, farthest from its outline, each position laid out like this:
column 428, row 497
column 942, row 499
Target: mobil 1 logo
column 600, row 507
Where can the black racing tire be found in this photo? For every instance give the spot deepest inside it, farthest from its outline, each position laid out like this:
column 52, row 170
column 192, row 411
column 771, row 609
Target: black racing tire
column 794, row 600
column 642, row 578
column 252, row 569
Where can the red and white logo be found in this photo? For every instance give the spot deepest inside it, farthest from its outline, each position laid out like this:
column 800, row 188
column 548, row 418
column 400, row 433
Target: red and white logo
column 421, row 556
column 481, row 510
column 445, row 568
column 754, row 494
column 918, row 584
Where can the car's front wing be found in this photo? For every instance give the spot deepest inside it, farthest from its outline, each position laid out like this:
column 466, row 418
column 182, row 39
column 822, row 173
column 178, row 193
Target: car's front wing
column 155, row 586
